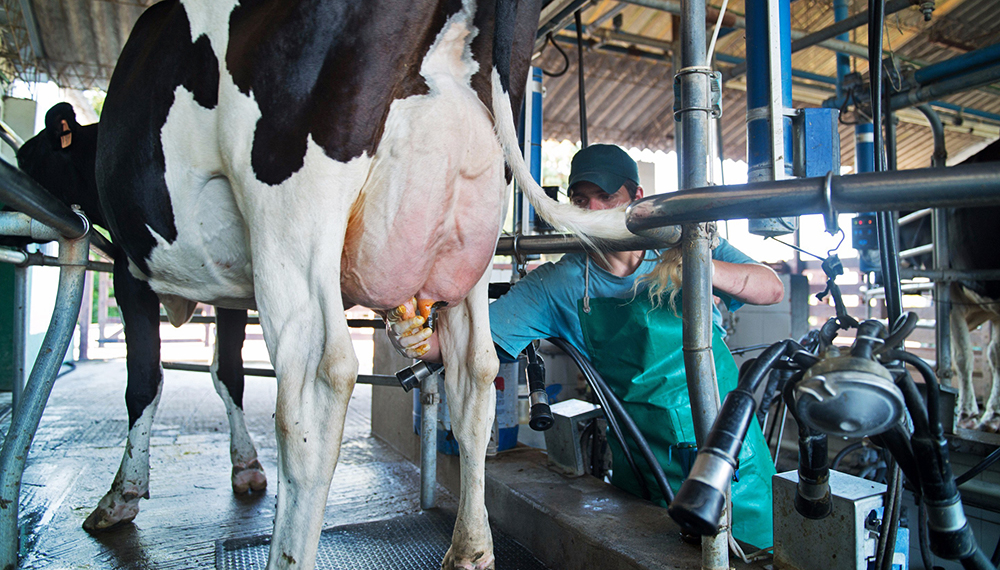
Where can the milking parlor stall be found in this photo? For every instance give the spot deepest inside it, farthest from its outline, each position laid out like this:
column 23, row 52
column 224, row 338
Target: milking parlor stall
column 367, row 284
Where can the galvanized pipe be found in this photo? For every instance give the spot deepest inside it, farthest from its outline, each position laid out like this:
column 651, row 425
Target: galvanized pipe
column 429, row 399
column 914, row 252
column 699, row 365
column 17, row 444
column 967, row 185
column 914, row 216
column 371, row 379
column 14, row 256
column 565, row 243
column 942, row 297
column 22, row 193
column 20, row 326
column 948, row 275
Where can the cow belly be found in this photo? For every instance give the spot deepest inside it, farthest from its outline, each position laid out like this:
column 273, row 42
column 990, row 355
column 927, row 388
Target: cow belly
column 209, row 260
column 429, row 215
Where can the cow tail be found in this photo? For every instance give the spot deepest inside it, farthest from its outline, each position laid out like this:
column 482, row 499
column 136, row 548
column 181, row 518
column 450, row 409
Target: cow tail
column 592, row 227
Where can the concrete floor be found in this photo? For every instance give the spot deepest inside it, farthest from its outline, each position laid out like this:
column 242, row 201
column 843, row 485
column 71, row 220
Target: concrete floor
column 79, row 445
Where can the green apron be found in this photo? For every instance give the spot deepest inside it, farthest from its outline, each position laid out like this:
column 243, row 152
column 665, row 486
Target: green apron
column 637, row 349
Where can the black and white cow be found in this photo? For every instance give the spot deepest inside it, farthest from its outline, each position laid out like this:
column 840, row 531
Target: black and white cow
column 304, row 156
column 971, row 235
column 61, row 158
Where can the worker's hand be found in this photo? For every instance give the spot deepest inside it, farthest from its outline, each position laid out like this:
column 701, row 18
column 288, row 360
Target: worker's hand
column 409, row 336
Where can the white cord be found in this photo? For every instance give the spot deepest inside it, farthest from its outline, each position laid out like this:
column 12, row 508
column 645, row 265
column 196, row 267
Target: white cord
column 715, row 34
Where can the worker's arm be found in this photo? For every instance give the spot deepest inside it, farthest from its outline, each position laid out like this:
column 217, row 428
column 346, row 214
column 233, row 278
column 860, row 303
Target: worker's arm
column 749, row 283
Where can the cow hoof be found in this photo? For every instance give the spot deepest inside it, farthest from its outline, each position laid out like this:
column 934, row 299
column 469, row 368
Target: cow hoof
column 249, row 477
column 482, row 561
column 113, row 510
column 968, row 421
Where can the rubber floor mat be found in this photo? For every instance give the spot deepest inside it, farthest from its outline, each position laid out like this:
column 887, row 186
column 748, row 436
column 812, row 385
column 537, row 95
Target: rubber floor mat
column 410, row 542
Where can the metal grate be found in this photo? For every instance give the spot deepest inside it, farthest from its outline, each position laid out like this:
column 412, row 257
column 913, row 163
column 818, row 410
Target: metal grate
column 411, row 542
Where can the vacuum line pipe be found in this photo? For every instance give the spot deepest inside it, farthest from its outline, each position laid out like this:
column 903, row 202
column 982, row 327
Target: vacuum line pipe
column 945, row 87
column 957, row 186
column 697, row 256
column 17, row 444
column 985, row 56
column 429, row 400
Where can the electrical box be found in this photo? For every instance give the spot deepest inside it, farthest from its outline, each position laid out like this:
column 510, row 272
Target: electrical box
column 845, row 540
column 817, row 142
column 562, row 440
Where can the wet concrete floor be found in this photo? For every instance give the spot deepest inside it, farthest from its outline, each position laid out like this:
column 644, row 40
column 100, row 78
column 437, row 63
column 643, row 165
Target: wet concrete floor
column 79, row 445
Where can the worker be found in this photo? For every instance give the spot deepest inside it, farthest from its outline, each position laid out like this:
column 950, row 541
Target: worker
column 601, row 304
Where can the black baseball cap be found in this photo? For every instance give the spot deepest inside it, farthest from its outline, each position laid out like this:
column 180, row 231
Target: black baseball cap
column 606, row 165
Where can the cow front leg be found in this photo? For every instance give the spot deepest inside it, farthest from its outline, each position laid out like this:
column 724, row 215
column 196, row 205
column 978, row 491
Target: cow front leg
column 316, row 367
column 470, row 367
column 990, row 420
column 140, row 311
column 962, row 356
column 227, row 376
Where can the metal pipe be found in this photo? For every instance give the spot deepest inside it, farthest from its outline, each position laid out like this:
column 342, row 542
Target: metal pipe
column 429, row 400
column 23, row 225
column 17, row 444
column 967, row 185
column 840, row 14
column 942, row 298
column 948, row 275
column 582, row 91
column 919, row 250
column 674, row 7
column 565, row 243
column 844, row 23
column 960, row 64
column 14, row 256
column 940, row 156
column 372, row 379
column 20, row 326
column 699, row 365
column 943, row 88
column 914, row 216
column 22, row 193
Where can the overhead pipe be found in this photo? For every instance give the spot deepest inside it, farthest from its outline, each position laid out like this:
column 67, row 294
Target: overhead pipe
column 674, row 7
column 565, row 243
column 967, row 185
column 833, row 37
column 945, row 87
column 961, row 64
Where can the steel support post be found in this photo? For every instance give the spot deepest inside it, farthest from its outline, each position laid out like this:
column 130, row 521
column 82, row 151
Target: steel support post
column 20, row 333
column 17, row 444
column 428, row 440
column 942, row 299
column 697, row 255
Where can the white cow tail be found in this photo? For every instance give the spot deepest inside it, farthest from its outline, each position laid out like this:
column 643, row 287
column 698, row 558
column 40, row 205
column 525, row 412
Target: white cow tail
column 593, row 227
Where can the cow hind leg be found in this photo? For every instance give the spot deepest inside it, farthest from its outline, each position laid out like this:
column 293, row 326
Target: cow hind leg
column 141, row 315
column 227, row 376
column 990, row 420
column 962, row 356
column 470, row 368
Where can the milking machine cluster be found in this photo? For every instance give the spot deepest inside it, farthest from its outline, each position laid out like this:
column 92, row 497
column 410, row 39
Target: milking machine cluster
column 865, row 391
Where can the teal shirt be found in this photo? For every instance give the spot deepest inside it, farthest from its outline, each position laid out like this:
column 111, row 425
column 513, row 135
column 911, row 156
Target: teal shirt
column 544, row 303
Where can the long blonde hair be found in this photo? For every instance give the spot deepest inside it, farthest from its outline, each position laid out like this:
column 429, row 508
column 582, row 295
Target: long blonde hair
column 665, row 277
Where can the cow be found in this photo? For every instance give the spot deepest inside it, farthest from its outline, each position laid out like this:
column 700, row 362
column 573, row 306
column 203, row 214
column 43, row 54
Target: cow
column 305, row 156
column 972, row 302
column 62, row 159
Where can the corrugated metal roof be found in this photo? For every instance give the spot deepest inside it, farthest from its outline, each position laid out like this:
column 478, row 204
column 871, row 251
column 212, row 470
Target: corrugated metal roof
column 629, row 97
